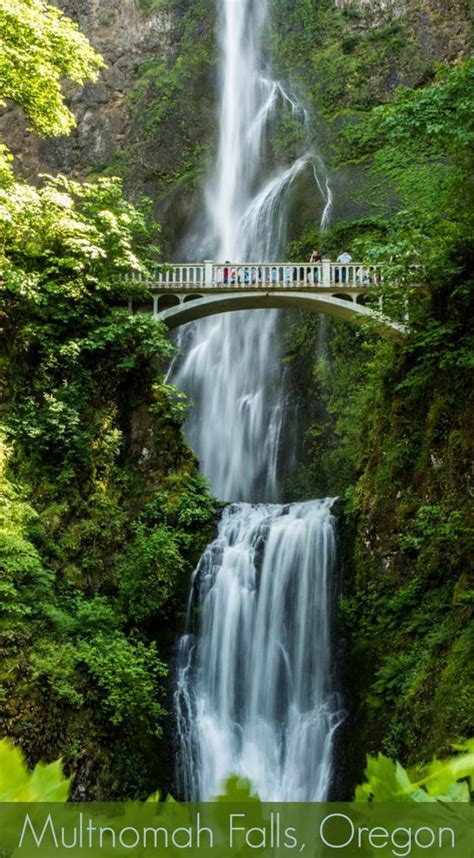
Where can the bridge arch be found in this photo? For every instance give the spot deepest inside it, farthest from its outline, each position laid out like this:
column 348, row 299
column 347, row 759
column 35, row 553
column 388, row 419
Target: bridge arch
column 167, row 302
column 211, row 305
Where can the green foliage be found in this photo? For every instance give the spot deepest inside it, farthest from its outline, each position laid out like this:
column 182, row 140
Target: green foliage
column 237, row 789
column 168, row 525
column 39, row 48
column 437, row 526
column 126, row 675
column 84, row 567
column 44, row 783
column 336, row 371
column 359, row 235
column 450, row 779
column 104, row 511
column 93, row 438
column 66, row 249
column 151, row 5
column 87, row 232
column 344, row 64
column 78, row 657
column 6, row 161
column 427, row 122
column 391, row 427
column 149, row 571
column 422, row 142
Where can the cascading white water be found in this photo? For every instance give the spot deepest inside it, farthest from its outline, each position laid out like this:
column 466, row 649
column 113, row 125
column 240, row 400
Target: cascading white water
column 254, row 694
column 231, row 367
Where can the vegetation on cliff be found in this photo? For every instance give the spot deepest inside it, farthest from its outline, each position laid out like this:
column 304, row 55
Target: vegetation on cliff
column 410, row 609
column 397, row 423
column 103, row 509
column 39, row 48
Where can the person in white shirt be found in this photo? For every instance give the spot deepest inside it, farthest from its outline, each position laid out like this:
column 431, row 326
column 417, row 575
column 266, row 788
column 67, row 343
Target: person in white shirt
column 343, row 259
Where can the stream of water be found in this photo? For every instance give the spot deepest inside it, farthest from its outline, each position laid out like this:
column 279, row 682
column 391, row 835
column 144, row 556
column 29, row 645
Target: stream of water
column 254, row 694
column 231, row 367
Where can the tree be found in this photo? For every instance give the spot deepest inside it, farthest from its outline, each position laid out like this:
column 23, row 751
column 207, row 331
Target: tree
column 39, row 47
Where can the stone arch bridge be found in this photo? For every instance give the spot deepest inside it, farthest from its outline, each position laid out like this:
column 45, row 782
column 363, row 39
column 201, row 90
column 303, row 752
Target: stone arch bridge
column 185, row 292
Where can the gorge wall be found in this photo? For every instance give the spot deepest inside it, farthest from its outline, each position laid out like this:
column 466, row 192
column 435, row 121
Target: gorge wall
column 127, row 34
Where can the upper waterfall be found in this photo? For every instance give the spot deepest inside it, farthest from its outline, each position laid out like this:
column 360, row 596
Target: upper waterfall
column 246, row 200
column 231, row 368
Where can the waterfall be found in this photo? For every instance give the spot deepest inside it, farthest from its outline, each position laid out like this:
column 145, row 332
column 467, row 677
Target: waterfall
column 254, row 695
column 231, row 366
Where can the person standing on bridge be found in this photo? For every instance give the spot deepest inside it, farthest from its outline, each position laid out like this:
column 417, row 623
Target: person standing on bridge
column 343, row 259
column 226, row 273
column 315, row 259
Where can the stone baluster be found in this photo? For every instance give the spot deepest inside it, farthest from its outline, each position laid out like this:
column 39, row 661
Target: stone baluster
column 208, row 273
column 326, row 272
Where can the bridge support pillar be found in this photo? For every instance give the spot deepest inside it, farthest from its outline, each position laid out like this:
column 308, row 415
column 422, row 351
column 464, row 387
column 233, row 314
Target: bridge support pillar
column 155, row 306
column 208, row 265
column 326, row 272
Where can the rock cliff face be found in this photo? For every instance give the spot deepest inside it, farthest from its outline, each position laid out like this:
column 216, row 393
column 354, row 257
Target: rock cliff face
column 151, row 115
column 442, row 27
column 141, row 41
column 445, row 21
column 127, row 35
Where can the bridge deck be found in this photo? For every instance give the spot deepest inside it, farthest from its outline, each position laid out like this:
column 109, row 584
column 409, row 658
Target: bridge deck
column 257, row 275
column 274, row 286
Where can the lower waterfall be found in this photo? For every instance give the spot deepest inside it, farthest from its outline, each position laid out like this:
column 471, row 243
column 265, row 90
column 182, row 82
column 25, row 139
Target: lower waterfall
column 254, row 694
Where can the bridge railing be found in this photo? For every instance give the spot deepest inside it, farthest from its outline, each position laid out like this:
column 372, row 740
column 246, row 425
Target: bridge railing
column 212, row 275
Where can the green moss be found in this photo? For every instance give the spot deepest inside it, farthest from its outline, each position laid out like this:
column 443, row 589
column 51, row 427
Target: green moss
column 171, row 107
column 341, row 64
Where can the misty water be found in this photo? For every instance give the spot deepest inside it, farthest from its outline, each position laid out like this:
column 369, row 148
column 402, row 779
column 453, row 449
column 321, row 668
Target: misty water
column 254, row 690
column 254, row 694
column 231, row 367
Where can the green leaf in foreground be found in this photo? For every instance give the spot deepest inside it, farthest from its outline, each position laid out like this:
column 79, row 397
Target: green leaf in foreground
column 44, row 783
column 442, row 780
